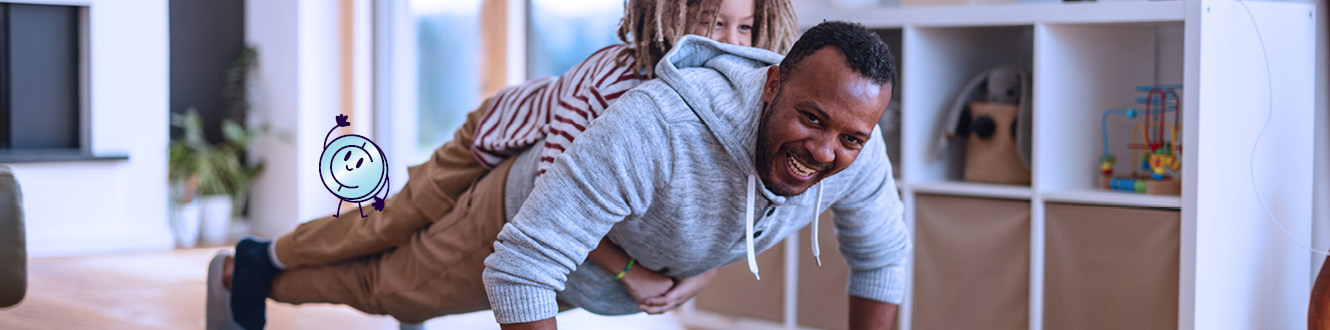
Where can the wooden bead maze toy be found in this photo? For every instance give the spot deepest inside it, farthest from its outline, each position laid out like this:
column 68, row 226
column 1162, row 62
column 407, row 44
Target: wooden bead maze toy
column 1159, row 157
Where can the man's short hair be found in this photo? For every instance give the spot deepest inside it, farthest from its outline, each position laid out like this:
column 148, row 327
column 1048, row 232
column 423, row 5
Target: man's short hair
column 864, row 51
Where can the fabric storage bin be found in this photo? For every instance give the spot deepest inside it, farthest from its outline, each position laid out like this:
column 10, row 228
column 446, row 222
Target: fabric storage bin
column 735, row 292
column 971, row 263
column 1110, row 267
column 823, row 300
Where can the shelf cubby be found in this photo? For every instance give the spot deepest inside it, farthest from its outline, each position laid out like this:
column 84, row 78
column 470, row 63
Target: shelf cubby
column 938, row 63
column 1084, row 70
column 890, row 124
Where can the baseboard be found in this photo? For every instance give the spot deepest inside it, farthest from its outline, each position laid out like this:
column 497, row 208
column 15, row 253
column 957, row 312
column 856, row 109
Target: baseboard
column 90, row 242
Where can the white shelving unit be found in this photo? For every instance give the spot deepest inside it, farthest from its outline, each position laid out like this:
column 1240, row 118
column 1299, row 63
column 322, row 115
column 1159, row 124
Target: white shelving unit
column 1099, row 197
column 973, row 190
column 1236, row 270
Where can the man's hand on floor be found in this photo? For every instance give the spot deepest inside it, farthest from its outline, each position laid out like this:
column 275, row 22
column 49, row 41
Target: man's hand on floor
column 682, row 291
column 546, row 324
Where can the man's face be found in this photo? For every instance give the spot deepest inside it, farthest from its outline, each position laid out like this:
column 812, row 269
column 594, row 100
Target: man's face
column 816, row 121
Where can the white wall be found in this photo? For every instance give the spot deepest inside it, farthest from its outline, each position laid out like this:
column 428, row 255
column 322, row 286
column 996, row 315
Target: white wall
column 1249, row 275
column 296, row 90
column 270, row 26
column 111, row 206
column 395, row 88
column 1321, row 195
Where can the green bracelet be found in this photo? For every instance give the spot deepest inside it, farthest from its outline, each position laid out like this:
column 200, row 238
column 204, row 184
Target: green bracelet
column 625, row 270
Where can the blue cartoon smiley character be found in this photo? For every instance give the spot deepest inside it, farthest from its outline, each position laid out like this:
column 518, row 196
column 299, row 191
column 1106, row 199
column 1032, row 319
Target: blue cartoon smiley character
column 354, row 169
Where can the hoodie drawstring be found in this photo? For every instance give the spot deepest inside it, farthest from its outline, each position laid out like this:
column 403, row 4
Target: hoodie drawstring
column 817, row 251
column 748, row 226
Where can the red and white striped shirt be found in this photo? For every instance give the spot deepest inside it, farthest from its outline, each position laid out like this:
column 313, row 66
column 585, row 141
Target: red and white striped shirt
column 556, row 109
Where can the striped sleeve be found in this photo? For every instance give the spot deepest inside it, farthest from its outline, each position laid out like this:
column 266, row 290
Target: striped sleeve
column 499, row 128
column 518, row 117
column 577, row 110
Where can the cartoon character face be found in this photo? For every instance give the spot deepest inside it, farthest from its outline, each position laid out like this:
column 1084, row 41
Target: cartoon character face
column 353, row 168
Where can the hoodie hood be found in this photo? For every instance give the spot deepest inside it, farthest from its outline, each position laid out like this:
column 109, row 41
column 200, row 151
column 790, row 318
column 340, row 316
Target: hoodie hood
column 737, row 131
column 733, row 62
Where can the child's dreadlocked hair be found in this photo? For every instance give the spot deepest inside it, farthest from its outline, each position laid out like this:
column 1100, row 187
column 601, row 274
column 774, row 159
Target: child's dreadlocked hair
column 651, row 27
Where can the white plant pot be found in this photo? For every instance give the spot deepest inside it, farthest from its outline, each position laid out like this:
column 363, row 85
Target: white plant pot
column 187, row 219
column 216, row 228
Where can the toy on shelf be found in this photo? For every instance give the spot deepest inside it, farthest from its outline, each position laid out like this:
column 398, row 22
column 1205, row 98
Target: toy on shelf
column 1160, row 153
column 991, row 119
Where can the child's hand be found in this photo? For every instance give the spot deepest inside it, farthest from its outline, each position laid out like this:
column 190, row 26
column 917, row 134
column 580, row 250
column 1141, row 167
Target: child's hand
column 684, row 290
column 642, row 283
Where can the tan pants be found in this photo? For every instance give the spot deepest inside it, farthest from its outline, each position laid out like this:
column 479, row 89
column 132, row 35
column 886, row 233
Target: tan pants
column 430, row 192
column 419, row 258
column 436, row 272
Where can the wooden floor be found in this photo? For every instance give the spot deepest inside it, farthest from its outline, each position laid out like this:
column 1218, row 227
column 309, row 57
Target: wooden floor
column 166, row 290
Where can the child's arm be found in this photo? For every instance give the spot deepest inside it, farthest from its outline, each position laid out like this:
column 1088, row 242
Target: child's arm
column 640, row 282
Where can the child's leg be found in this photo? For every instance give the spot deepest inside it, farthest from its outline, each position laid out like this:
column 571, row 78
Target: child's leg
column 430, row 192
column 349, row 282
column 438, row 272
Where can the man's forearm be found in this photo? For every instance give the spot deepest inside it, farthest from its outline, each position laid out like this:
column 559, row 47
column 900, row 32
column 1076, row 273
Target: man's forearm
column 611, row 258
column 869, row 314
column 546, row 324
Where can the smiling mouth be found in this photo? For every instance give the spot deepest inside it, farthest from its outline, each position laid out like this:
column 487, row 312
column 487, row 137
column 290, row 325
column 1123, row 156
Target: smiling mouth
column 800, row 171
column 340, row 185
column 348, row 167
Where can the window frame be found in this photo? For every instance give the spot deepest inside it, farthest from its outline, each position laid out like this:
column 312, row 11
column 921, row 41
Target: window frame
column 83, row 150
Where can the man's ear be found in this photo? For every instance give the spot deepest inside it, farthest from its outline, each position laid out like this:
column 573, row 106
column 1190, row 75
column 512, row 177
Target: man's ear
column 772, row 86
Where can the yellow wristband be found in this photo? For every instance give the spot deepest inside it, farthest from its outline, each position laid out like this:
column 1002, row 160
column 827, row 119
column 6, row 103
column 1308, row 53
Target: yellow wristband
column 625, row 270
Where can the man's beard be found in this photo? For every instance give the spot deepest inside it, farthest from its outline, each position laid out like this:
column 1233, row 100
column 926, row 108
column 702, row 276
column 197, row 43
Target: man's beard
column 765, row 154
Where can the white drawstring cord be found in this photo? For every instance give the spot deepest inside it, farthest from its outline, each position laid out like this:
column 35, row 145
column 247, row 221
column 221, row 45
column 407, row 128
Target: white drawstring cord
column 748, row 226
column 817, row 251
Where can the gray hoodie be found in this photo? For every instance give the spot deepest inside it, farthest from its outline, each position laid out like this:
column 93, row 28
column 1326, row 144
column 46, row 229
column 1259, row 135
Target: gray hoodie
column 667, row 173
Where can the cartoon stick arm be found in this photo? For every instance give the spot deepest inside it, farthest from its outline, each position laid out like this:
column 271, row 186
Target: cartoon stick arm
column 379, row 202
column 325, row 137
column 341, row 122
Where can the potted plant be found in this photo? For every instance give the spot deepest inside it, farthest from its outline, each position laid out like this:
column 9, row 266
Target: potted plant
column 217, row 169
column 237, row 138
column 210, row 182
column 208, row 179
column 184, row 170
column 236, row 176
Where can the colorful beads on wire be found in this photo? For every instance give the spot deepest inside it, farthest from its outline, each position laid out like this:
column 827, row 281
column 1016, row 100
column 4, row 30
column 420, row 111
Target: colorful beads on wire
column 1106, row 164
column 1129, row 185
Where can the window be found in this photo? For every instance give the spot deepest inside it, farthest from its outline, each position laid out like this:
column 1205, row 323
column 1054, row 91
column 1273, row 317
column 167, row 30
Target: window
column 40, row 50
column 562, row 33
column 42, row 83
column 448, row 72
column 460, row 54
